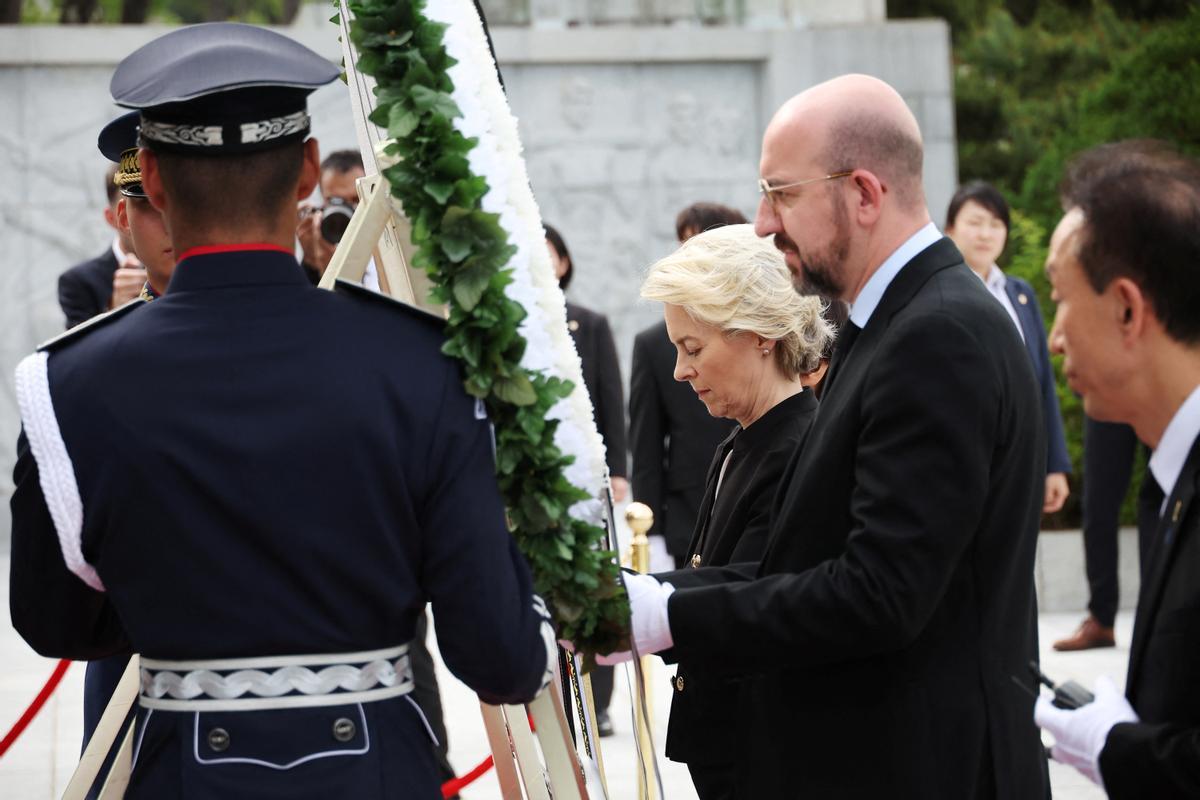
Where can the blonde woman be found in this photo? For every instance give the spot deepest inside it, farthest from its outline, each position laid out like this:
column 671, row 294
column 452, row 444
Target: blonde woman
column 751, row 349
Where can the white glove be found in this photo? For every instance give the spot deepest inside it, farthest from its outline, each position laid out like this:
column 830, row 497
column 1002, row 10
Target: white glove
column 1080, row 734
column 650, row 628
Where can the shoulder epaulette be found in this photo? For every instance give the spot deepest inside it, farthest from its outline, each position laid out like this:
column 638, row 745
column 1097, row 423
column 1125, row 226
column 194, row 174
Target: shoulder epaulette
column 357, row 290
column 88, row 326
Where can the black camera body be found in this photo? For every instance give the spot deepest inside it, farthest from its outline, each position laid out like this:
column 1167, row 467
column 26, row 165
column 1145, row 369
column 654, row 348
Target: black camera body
column 335, row 218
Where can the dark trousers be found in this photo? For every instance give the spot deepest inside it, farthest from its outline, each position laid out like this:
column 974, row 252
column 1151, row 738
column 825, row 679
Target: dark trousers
column 1108, row 451
column 713, row 781
column 602, row 687
column 99, row 682
column 425, row 694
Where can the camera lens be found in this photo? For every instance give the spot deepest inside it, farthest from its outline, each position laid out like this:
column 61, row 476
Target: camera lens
column 335, row 218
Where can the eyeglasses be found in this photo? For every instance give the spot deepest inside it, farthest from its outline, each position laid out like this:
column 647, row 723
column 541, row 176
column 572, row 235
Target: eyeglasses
column 770, row 192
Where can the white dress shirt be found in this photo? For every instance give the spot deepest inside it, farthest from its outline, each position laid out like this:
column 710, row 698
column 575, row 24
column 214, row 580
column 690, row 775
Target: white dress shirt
column 1168, row 458
column 996, row 282
column 868, row 299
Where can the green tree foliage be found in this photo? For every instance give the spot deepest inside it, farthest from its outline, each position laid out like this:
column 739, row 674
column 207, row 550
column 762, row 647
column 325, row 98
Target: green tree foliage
column 134, row 12
column 1037, row 81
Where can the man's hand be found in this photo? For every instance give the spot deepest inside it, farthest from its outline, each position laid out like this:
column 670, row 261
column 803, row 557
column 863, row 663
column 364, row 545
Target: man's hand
column 650, row 629
column 1057, row 491
column 1080, row 734
column 620, row 488
column 317, row 251
column 128, row 281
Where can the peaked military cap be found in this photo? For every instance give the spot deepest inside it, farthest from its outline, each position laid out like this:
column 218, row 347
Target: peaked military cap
column 220, row 88
column 119, row 143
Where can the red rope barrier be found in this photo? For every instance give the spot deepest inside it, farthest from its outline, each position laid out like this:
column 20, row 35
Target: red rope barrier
column 52, row 682
column 452, row 787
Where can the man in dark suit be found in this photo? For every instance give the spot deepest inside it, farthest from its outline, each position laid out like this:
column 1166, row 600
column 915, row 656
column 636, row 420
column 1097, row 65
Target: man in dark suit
column 110, row 279
column 1123, row 263
column 672, row 435
column 882, row 632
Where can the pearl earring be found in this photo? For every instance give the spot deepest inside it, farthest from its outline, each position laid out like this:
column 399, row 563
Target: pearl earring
column 766, row 351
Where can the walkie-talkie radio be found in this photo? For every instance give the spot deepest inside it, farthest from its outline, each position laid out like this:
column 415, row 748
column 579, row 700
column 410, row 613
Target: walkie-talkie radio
column 1069, row 695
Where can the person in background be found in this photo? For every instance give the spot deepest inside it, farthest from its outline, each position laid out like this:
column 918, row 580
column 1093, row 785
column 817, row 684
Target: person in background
column 672, row 435
column 339, row 172
column 602, row 377
column 978, row 222
column 138, row 222
column 1109, row 452
column 751, row 349
column 111, row 279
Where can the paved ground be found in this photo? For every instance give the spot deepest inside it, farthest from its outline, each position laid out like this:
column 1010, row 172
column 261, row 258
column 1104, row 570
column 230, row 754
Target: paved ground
column 39, row 764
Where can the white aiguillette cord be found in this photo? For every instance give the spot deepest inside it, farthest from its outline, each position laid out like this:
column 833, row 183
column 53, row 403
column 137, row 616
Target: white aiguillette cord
column 111, row 725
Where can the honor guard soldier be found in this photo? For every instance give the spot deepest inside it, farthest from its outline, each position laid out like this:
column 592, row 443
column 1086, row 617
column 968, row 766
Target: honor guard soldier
column 318, row 472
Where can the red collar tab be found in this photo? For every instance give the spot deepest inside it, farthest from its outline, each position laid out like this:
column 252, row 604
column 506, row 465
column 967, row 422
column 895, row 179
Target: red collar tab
column 210, row 249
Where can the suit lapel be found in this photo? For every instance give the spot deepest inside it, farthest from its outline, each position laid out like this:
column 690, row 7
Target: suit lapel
column 908, row 281
column 1167, row 535
column 710, row 481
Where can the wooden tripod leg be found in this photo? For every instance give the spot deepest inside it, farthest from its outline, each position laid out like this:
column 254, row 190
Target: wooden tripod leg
column 562, row 764
column 585, row 687
column 118, row 776
column 532, row 773
column 107, row 730
column 362, row 235
column 502, row 752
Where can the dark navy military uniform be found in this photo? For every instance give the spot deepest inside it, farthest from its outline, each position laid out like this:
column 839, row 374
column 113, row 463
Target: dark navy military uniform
column 319, row 473
column 118, row 143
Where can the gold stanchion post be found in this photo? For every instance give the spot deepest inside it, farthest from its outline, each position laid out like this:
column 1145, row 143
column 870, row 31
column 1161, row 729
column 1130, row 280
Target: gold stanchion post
column 640, row 518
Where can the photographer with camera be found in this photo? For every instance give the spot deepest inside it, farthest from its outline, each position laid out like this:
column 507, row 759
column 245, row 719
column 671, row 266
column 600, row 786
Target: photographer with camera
column 320, row 228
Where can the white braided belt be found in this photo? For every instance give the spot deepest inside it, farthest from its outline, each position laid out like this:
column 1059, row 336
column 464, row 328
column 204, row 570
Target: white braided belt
column 256, row 684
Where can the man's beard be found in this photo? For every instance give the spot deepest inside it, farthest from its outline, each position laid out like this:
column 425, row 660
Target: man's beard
column 820, row 272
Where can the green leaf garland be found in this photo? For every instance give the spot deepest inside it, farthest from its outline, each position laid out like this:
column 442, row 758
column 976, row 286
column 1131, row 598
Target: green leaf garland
column 465, row 250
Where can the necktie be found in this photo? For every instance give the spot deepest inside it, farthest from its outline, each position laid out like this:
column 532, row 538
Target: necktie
column 1150, row 506
column 845, row 340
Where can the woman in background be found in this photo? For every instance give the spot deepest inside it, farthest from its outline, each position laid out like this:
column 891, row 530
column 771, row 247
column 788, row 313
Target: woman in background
column 978, row 221
column 602, row 377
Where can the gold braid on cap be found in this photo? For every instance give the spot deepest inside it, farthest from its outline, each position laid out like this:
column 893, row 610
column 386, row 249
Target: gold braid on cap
column 129, row 172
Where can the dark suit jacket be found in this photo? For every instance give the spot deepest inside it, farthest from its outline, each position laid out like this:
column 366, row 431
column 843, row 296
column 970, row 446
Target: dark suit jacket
column 602, row 377
column 85, row 289
column 1023, row 299
column 673, row 439
column 733, row 528
column 895, row 599
column 1159, row 757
